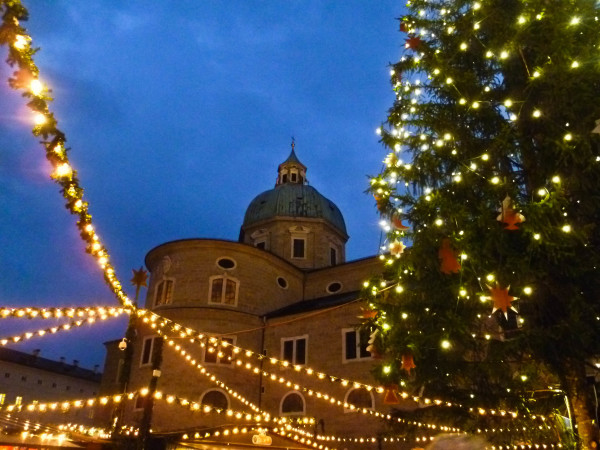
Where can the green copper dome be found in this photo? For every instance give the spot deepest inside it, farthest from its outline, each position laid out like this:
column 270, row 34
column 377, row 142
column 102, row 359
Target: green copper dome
column 293, row 200
column 293, row 197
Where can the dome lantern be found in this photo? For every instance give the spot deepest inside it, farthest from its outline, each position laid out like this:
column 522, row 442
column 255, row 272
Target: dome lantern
column 291, row 170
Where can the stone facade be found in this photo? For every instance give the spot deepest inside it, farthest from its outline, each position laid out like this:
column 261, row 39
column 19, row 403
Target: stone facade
column 260, row 296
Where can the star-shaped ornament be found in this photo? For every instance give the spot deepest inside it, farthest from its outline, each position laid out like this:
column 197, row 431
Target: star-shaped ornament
column 509, row 216
column 413, row 42
column 397, row 248
column 597, row 129
column 367, row 314
column 139, row 277
column 502, row 301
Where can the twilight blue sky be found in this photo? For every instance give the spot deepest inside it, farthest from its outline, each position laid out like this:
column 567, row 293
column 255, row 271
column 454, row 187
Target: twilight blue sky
column 177, row 115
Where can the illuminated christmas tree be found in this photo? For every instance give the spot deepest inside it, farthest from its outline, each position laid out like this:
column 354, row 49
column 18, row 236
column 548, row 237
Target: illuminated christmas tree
column 494, row 165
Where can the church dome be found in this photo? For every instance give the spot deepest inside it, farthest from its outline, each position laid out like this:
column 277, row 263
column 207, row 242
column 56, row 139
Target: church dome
column 296, row 200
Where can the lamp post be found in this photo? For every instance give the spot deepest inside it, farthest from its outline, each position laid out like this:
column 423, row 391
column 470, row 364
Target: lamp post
column 149, row 400
column 126, row 346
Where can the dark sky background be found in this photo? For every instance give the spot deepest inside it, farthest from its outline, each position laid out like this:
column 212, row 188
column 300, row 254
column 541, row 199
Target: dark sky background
column 177, row 115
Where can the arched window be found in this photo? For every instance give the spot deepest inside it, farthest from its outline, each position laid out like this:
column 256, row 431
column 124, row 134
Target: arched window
column 215, row 399
column 359, row 398
column 223, row 290
column 293, row 405
column 164, row 293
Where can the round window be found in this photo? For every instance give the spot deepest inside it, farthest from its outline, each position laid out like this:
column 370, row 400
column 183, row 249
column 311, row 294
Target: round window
column 334, row 287
column 226, row 263
column 282, row 282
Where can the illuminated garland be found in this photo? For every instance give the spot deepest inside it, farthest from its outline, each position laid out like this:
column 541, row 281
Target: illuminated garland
column 212, row 342
column 26, row 79
column 52, row 330
column 32, row 312
column 209, row 375
column 319, row 395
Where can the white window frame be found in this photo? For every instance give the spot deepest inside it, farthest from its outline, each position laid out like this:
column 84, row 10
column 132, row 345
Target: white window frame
column 218, row 346
column 164, row 280
column 147, row 338
column 358, row 357
column 295, row 339
column 356, row 408
column 287, row 414
column 225, row 278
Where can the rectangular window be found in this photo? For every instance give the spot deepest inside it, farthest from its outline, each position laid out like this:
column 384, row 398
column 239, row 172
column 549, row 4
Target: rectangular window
column 164, row 293
column 18, row 401
column 219, row 353
column 355, row 345
column 298, row 250
column 332, row 256
column 293, row 350
column 223, row 290
column 229, row 297
column 147, row 350
column 217, row 289
column 2, row 398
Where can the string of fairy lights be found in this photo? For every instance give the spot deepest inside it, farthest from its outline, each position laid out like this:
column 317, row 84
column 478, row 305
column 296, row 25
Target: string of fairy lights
column 93, row 315
column 27, row 80
column 409, row 92
column 213, row 344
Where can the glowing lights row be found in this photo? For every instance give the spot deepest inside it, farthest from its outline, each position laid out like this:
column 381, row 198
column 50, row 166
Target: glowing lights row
column 312, row 393
column 44, row 125
column 207, row 374
column 57, row 313
column 53, row 330
column 185, row 332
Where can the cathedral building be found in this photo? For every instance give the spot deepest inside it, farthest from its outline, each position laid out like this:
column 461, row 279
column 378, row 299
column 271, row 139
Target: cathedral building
column 280, row 311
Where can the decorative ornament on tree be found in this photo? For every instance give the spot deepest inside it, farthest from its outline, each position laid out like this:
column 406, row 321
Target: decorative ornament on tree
column 413, row 42
column 371, row 347
column 390, row 397
column 408, row 363
column 448, row 260
column 597, row 129
column 367, row 314
column 502, row 301
column 509, row 216
column 381, row 203
column 403, row 27
column 397, row 222
column 397, row 248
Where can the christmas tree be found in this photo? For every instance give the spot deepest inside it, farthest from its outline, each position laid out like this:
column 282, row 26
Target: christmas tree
column 492, row 182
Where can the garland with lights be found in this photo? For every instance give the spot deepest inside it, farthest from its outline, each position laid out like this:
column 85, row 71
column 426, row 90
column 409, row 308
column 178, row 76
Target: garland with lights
column 26, row 79
column 491, row 175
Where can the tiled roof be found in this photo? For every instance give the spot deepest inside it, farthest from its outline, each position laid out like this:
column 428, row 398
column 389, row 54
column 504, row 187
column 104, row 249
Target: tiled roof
column 57, row 367
column 314, row 304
